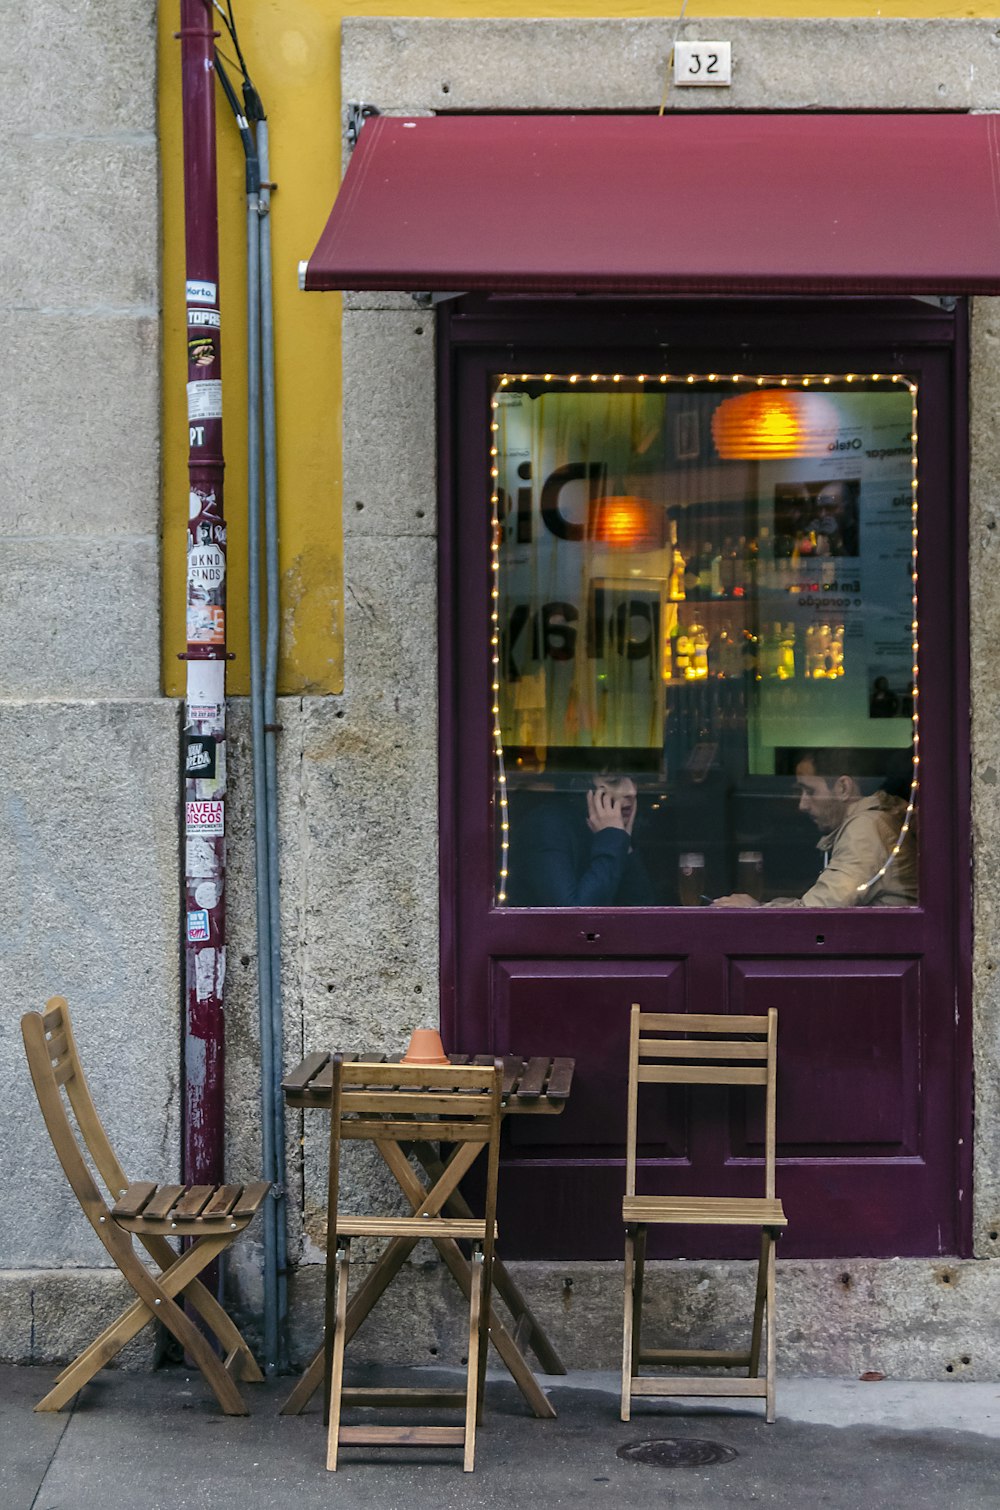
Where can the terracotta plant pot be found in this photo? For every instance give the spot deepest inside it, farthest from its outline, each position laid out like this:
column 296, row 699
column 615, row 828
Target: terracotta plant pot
column 425, row 1048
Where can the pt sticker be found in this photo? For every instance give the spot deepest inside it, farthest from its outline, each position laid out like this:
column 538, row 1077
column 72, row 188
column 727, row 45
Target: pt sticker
column 201, row 351
column 205, row 818
column 197, row 927
column 199, row 756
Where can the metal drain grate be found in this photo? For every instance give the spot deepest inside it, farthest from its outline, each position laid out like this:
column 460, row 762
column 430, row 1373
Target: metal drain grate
column 677, row 1452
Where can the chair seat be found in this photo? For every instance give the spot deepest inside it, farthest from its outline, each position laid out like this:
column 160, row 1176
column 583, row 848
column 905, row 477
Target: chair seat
column 412, row 1226
column 707, row 1210
column 188, row 1210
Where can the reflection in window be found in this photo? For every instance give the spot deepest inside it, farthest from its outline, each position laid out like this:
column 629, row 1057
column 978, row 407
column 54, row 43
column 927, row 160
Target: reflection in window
column 704, row 640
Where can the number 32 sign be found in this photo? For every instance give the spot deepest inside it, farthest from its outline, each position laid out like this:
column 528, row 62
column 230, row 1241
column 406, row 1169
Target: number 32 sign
column 703, row 63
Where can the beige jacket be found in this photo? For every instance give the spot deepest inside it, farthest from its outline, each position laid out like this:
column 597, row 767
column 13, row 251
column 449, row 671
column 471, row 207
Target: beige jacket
column 856, row 852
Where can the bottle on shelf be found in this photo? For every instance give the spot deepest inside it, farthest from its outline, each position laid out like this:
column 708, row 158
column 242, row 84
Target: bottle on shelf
column 786, row 653
column 677, row 567
column 727, row 567
column 699, row 647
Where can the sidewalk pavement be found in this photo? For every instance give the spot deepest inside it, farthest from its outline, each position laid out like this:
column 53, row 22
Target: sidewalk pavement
column 158, row 1442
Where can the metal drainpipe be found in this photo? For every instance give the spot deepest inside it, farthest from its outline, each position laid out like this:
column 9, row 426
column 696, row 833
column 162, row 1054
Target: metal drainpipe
column 205, row 703
column 260, row 375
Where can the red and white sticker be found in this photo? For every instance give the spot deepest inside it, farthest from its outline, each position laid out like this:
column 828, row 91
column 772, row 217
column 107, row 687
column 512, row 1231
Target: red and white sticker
column 205, row 818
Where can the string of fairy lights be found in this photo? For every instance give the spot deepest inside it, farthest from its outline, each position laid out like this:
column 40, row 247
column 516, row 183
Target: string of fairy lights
column 805, row 382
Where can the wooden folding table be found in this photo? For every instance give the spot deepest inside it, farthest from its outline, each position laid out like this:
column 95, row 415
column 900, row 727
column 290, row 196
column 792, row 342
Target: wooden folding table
column 537, row 1087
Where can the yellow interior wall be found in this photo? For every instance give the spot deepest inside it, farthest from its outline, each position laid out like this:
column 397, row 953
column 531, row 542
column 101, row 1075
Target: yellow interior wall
column 292, row 48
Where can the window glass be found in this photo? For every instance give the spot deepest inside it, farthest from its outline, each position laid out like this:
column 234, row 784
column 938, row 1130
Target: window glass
column 703, row 634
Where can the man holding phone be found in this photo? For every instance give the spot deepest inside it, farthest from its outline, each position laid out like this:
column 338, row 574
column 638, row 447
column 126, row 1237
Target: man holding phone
column 584, row 858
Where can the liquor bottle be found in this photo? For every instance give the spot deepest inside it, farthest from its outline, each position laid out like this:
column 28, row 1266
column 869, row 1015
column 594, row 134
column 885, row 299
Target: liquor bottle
column 786, row 653
column 698, row 670
column 677, row 566
column 716, row 588
column 727, row 567
column 705, row 564
column 683, row 653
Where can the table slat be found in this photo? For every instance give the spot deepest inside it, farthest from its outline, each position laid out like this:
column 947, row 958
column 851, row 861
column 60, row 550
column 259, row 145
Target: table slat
column 560, row 1079
column 300, row 1077
column 532, row 1080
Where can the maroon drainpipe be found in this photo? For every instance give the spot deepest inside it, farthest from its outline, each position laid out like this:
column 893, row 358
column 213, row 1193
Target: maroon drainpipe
column 205, row 703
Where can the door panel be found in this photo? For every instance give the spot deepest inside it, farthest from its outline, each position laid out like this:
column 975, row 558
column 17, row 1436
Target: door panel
column 874, row 1075
column 850, row 1053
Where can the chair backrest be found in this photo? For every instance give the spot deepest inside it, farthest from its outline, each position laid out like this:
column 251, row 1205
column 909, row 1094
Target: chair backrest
column 452, row 1104
column 683, row 1048
column 61, row 1087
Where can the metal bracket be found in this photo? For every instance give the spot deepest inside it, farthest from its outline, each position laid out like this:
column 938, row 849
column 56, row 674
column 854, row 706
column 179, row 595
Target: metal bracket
column 946, row 302
column 428, row 301
column 357, row 113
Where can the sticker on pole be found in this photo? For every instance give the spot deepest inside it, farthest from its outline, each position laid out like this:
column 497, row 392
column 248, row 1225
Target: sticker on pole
column 205, row 399
column 206, row 566
column 206, row 691
column 208, row 319
column 205, row 818
column 199, row 756
column 200, row 292
column 197, row 927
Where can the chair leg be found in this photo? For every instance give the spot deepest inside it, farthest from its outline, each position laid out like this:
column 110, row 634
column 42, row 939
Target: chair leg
column 627, row 1327
column 760, row 1298
column 335, row 1388
column 769, row 1410
column 211, row 1312
column 640, row 1275
column 483, row 1333
column 477, row 1356
column 155, row 1301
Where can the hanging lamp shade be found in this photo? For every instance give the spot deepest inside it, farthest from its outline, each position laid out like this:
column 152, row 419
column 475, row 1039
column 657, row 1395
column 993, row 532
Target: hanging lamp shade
column 626, row 522
column 770, row 423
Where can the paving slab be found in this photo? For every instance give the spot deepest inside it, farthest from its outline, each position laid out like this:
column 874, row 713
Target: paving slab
column 153, row 1441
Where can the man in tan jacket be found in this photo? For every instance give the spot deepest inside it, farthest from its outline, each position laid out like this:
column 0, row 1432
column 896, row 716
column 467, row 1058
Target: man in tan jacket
column 859, row 836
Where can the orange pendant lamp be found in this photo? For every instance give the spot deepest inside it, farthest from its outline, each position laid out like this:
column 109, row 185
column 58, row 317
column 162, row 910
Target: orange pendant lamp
column 767, row 424
column 626, row 522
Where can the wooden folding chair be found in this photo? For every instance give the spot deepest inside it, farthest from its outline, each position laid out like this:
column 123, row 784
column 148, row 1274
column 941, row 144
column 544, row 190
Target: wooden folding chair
column 210, row 1215
column 397, row 1106
column 684, row 1049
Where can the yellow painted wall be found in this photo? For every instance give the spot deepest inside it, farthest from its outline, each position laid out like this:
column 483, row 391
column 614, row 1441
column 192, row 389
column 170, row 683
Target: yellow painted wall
column 292, row 48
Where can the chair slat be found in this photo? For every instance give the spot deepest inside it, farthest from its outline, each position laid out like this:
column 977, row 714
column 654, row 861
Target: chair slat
column 57, row 1044
column 415, row 1076
column 511, row 1073
column 445, row 1131
column 134, row 1199
column 64, row 1072
column 700, row 1022
column 250, row 1200
column 193, row 1200
column 687, row 1048
column 223, row 1201
column 410, row 1226
column 162, row 1202
column 702, row 1074
column 402, row 1436
column 428, row 1103
column 713, row 1210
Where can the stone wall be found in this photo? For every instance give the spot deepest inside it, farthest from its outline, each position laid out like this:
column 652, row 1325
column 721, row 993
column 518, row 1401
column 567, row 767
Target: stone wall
column 88, row 777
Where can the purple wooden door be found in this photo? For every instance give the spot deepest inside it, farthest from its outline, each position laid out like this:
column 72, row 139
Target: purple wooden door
column 874, row 1108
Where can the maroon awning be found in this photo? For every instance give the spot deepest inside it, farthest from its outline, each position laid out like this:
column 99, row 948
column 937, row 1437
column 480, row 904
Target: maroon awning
column 677, row 204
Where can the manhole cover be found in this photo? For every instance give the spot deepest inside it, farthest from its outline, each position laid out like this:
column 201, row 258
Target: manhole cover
column 674, row 1452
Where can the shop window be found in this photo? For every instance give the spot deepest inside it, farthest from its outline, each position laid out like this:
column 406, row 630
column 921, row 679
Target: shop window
column 704, row 639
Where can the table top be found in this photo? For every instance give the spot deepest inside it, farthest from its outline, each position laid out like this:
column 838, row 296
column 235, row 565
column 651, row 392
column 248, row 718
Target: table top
column 538, row 1085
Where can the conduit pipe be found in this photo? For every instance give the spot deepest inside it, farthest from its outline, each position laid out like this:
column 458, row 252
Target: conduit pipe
column 252, row 126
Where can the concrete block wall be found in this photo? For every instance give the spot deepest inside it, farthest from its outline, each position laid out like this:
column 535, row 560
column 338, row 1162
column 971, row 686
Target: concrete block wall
column 88, row 777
